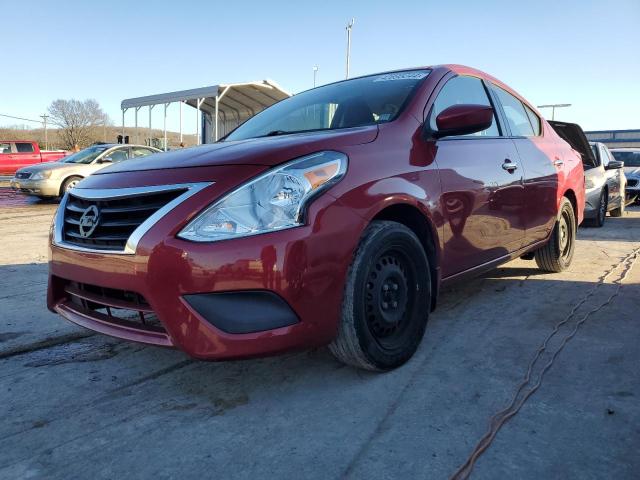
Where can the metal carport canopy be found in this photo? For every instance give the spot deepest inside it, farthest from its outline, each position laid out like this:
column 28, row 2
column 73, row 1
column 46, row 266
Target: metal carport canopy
column 237, row 101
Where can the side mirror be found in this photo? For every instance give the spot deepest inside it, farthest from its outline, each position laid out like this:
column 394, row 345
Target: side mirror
column 463, row 120
column 614, row 165
column 106, row 160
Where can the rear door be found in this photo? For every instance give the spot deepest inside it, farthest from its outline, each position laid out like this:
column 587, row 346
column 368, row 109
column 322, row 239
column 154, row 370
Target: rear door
column 482, row 191
column 541, row 162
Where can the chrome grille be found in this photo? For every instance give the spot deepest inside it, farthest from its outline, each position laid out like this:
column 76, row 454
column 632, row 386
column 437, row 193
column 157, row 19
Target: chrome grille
column 117, row 220
column 114, row 220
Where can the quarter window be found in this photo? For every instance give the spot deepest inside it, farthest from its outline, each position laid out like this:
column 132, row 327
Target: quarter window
column 534, row 120
column 463, row 90
column 23, row 147
column 516, row 114
column 118, row 155
column 5, row 148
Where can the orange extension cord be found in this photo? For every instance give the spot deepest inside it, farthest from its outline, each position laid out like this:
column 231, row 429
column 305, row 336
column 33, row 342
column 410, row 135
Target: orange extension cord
column 499, row 419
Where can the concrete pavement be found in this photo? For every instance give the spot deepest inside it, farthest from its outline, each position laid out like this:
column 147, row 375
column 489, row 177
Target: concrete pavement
column 80, row 405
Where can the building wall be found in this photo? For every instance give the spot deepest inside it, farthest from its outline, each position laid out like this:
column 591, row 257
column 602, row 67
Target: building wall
column 615, row 138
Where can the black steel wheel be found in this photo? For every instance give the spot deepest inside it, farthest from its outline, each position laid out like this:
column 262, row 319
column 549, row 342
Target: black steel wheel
column 387, row 299
column 557, row 254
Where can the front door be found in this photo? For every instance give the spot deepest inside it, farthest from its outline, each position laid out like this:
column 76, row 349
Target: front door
column 482, row 185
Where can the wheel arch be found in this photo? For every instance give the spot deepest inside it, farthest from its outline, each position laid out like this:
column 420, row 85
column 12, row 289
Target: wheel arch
column 65, row 179
column 571, row 196
column 419, row 223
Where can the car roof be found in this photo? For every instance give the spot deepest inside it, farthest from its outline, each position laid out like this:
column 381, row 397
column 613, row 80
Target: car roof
column 625, row 149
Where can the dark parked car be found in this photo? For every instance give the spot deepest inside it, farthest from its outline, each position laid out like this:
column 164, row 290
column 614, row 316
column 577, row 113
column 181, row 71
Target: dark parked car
column 331, row 218
column 631, row 159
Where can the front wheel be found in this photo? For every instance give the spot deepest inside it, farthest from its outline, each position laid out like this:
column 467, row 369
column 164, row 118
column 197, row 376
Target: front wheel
column 601, row 213
column 557, row 254
column 386, row 301
column 68, row 184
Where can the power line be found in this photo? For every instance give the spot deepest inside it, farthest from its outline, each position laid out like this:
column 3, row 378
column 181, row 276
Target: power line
column 20, row 118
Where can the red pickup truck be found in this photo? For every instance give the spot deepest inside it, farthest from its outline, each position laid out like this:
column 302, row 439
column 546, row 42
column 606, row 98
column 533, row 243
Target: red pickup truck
column 15, row 154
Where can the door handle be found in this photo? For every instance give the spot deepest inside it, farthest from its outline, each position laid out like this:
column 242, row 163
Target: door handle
column 509, row 166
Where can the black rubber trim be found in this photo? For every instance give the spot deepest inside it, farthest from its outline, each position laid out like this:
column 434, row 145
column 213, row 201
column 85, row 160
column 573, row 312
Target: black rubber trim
column 243, row 312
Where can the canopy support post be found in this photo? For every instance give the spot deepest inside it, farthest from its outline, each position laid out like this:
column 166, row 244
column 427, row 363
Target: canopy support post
column 165, row 125
column 150, row 108
column 181, row 121
column 137, row 136
column 123, row 112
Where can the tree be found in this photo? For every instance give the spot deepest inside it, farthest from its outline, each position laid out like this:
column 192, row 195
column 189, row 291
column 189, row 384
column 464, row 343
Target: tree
column 78, row 121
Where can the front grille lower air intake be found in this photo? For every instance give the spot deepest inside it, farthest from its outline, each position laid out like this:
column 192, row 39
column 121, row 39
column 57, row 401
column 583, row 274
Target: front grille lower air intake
column 106, row 220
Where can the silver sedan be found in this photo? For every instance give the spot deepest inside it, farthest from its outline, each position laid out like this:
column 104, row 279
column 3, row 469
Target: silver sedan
column 53, row 179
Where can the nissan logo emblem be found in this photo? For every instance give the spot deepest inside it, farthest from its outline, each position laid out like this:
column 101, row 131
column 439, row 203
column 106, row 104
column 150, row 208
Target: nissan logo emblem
column 89, row 221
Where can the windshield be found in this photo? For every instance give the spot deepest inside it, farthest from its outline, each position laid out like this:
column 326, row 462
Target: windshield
column 630, row 159
column 351, row 103
column 87, row 155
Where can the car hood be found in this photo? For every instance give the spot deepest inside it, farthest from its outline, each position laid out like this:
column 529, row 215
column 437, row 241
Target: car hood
column 265, row 151
column 51, row 166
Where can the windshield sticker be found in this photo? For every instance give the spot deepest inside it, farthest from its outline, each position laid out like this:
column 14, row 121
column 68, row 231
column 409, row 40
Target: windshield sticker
column 389, row 77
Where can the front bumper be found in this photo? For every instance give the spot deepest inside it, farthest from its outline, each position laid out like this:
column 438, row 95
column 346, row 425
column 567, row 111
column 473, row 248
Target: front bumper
column 302, row 270
column 41, row 188
column 591, row 201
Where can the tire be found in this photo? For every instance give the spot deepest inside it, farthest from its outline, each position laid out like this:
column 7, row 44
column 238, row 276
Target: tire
column 68, row 184
column 557, row 254
column 618, row 212
column 601, row 211
column 387, row 299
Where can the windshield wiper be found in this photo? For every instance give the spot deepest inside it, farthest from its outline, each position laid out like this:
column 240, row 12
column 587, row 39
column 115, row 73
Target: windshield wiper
column 275, row 133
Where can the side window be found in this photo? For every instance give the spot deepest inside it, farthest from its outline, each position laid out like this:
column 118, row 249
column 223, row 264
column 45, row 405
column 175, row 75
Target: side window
column 463, row 90
column 24, row 147
column 141, row 152
column 515, row 113
column 119, row 155
column 5, row 148
column 534, row 120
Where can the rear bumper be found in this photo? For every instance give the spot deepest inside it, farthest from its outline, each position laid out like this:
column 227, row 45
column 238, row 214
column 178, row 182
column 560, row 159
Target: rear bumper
column 286, row 288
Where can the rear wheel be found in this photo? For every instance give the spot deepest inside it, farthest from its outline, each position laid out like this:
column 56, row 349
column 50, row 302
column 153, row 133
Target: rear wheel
column 557, row 254
column 68, row 184
column 386, row 301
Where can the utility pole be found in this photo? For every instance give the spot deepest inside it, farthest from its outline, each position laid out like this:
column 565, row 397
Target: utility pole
column 46, row 138
column 349, row 27
column 553, row 107
column 315, row 72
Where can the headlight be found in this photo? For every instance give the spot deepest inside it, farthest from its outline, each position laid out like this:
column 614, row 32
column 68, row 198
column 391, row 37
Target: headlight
column 272, row 201
column 42, row 175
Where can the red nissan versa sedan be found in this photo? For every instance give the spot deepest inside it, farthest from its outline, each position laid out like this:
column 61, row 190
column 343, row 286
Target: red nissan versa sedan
column 332, row 217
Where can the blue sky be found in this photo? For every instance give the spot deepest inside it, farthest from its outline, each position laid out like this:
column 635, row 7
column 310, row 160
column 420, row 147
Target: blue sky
column 578, row 52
